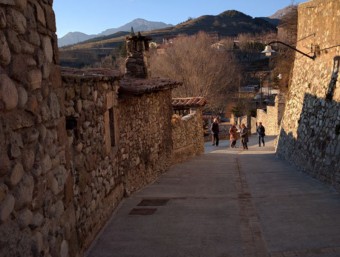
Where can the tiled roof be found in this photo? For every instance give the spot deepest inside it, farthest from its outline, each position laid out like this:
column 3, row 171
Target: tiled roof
column 188, row 102
column 128, row 86
column 142, row 86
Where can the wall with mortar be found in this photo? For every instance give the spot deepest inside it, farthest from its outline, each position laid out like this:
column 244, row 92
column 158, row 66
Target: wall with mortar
column 35, row 215
column 187, row 136
column 145, row 136
column 97, row 183
column 71, row 146
column 57, row 185
column 310, row 131
column 118, row 145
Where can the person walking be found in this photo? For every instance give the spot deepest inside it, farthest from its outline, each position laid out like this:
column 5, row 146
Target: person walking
column 216, row 130
column 211, row 121
column 261, row 133
column 244, row 136
column 233, row 136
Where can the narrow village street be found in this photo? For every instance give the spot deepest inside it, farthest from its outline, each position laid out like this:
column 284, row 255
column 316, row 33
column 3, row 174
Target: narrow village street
column 226, row 203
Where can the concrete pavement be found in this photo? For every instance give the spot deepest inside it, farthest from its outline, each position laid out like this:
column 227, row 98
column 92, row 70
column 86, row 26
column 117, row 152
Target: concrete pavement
column 226, row 203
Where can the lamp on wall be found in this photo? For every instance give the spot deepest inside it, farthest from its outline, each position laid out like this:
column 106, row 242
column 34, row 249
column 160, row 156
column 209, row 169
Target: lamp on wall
column 268, row 49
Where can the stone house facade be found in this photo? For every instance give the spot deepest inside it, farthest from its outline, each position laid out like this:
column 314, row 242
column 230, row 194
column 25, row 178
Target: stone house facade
column 310, row 130
column 115, row 146
column 35, row 212
column 72, row 143
column 187, row 130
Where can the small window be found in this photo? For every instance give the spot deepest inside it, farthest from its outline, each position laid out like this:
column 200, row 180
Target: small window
column 71, row 123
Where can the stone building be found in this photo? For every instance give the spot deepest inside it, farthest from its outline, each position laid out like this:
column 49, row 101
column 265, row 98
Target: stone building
column 72, row 143
column 115, row 146
column 187, row 130
column 310, row 130
column 36, row 216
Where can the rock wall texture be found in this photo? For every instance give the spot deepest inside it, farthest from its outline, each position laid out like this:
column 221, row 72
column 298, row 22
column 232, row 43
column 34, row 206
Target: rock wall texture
column 187, row 136
column 97, row 183
column 145, row 138
column 71, row 146
column 271, row 118
column 35, row 217
column 310, row 131
column 118, row 143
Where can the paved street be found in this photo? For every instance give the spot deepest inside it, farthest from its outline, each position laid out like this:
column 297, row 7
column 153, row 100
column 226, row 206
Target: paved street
column 226, row 203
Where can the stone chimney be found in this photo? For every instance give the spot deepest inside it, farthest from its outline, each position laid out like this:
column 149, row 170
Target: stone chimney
column 136, row 63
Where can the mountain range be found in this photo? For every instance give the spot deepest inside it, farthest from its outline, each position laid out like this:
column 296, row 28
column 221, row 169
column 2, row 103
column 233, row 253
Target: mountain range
column 218, row 23
column 230, row 24
column 138, row 25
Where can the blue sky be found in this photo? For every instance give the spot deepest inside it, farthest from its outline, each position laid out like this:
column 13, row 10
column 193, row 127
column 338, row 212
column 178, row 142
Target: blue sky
column 95, row 16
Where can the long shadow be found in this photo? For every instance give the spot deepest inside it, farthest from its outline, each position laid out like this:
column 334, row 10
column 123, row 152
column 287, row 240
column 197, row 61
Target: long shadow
column 315, row 147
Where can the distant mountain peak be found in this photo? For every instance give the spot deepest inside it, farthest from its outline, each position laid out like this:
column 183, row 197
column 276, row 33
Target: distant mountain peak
column 233, row 14
column 138, row 24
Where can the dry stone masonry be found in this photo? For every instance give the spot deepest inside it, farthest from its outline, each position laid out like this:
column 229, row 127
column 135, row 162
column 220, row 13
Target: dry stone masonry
column 71, row 145
column 34, row 218
column 310, row 131
column 97, row 187
column 137, row 47
column 187, row 131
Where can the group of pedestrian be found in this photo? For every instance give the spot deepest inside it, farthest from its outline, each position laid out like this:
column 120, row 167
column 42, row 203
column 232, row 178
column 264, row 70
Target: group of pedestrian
column 235, row 132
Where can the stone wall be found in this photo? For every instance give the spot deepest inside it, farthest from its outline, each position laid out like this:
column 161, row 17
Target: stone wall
column 35, row 211
column 97, row 183
column 310, row 132
column 271, row 118
column 145, row 138
column 118, row 145
column 249, row 121
column 69, row 150
column 187, row 136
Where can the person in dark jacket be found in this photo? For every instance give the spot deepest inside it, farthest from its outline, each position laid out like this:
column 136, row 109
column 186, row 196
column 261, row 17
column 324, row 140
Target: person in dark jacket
column 261, row 133
column 215, row 130
column 244, row 136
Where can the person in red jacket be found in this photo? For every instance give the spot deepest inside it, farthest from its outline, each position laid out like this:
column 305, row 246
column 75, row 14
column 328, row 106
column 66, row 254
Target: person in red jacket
column 233, row 136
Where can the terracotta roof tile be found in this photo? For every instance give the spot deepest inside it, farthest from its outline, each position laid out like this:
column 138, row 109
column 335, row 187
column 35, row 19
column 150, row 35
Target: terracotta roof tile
column 188, row 102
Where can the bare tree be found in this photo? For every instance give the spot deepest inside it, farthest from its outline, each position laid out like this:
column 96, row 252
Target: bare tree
column 206, row 68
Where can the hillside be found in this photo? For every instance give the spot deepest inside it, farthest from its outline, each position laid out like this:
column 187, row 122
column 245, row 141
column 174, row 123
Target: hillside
column 227, row 24
column 138, row 24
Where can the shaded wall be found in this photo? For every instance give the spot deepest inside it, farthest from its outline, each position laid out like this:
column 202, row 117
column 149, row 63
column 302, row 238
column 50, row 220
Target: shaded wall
column 69, row 150
column 36, row 213
column 119, row 143
column 310, row 131
column 97, row 183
